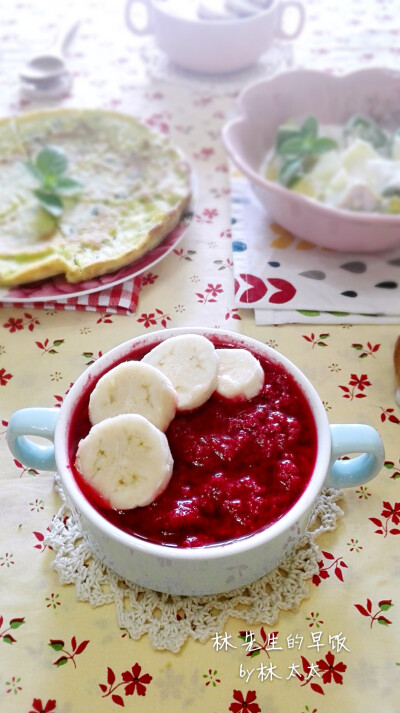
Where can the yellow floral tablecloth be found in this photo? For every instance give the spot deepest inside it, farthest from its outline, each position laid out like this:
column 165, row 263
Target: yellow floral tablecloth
column 339, row 651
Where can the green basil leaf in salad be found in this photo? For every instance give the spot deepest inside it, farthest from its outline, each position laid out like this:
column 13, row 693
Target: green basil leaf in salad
column 323, row 144
column 391, row 191
column 362, row 127
column 285, row 132
column 299, row 148
column 291, row 171
column 292, row 146
column 309, row 128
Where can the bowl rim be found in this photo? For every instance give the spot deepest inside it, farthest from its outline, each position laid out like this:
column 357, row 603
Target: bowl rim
column 218, row 550
column 240, row 160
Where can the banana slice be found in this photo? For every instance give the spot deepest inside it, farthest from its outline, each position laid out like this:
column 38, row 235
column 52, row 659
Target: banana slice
column 240, row 374
column 190, row 362
column 134, row 387
column 126, row 460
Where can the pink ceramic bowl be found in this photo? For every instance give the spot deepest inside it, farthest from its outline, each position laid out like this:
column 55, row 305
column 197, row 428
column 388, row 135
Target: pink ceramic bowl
column 264, row 106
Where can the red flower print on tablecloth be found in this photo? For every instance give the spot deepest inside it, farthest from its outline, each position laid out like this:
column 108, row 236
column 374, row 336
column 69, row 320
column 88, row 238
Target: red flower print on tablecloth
column 365, row 351
column 41, row 543
column 32, row 321
column 331, row 672
column 91, row 356
column 356, row 387
column 48, row 347
column 185, row 254
column 220, row 192
column 134, row 681
column 160, row 121
column 13, row 624
column 363, row 493
column 326, row 670
column 211, row 677
column 318, row 341
column 232, row 313
column 52, row 601
column 324, row 573
column 354, row 545
column 314, row 620
column 244, row 705
column 389, row 465
column 7, row 560
column 153, row 96
column 253, row 647
column 59, row 399
column 210, row 293
column 104, row 319
column 149, row 278
column 391, row 513
column 14, row 324
column 388, row 413
column 151, row 319
column 203, row 100
column 383, row 605
column 59, row 645
column 207, row 216
column 39, row 707
column 14, row 685
column 5, row 377
column 226, row 233
column 25, row 469
column 226, row 264
column 204, row 154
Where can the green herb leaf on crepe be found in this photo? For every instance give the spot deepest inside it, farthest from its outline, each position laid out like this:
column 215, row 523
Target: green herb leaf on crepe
column 50, row 167
column 50, row 202
column 66, row 186
column 51, row 161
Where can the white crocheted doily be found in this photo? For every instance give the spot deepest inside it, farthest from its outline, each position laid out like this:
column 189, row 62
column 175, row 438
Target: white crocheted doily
column 177, row 617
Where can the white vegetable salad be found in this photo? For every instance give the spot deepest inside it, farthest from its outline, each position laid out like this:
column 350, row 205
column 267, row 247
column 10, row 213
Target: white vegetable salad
column 353, row 167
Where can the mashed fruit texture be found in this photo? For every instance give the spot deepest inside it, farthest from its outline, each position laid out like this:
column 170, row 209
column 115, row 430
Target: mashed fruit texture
column 238, row 466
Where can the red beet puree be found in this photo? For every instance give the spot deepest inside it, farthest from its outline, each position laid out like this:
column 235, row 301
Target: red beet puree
column 238, row 467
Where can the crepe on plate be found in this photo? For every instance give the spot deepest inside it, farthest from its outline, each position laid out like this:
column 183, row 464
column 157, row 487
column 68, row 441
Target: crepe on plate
column 135, row 187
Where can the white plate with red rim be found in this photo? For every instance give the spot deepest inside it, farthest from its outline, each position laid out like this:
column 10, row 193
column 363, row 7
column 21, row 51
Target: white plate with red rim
column 57, row 288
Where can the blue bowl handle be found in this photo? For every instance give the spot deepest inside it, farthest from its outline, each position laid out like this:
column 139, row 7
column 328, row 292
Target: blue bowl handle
column 350, row 438
column 33, row 422
column 346, row 439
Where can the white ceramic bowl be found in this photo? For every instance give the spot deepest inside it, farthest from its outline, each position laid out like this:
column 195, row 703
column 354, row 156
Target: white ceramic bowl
column 201, row 570
column 264, row 106
column 214, row 46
